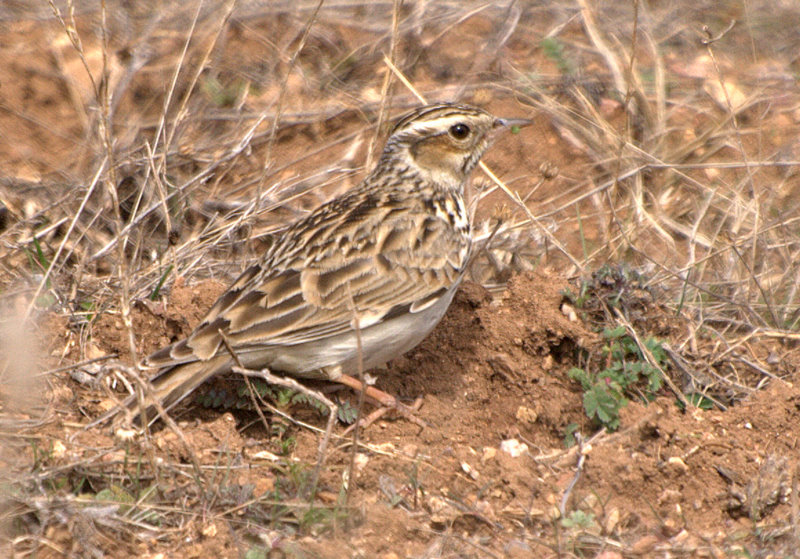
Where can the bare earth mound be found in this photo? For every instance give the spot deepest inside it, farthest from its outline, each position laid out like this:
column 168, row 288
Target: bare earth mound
column 493, row 371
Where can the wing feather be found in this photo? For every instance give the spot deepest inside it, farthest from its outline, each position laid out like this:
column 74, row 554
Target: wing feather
column 383, row 264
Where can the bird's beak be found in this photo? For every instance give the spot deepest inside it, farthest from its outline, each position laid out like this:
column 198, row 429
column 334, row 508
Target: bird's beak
column 512, row 122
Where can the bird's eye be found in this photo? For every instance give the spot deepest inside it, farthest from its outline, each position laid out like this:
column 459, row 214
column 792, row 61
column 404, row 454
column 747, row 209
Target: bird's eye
column 459, row 131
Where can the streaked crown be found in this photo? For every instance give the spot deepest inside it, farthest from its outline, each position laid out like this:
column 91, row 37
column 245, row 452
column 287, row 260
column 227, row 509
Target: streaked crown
column 436, row 115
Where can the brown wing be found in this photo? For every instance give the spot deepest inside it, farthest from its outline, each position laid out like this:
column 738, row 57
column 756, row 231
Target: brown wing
column 377, row 259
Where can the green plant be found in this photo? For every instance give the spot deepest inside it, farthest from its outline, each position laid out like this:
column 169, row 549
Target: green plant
column 283, row 399
column 160, row 284
column 256, row 552
column 42, row 457
column 287, row 445
column 579, row 520
column 697, row 400
column 579, row 299
column 554, row 50
column 346, row 413
column 612, row 286
column 627, row 372
column 222, row 95
column 131, row 504
column 39, row 263
column 89, row 309
column 569, row 435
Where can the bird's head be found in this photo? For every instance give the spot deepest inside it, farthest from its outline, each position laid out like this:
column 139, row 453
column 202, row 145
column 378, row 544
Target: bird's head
column 444, row 142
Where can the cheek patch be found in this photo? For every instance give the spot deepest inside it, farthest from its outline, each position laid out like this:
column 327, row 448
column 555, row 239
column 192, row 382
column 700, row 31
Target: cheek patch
column 437, row 153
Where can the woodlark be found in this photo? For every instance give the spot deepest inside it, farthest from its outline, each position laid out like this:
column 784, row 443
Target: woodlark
column 358, row 281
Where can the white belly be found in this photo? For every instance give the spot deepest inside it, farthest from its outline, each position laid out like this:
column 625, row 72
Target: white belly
column 331, row 357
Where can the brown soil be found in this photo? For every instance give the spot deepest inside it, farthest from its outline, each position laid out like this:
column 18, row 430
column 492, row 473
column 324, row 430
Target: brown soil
column 493, row 371
column 492, row 377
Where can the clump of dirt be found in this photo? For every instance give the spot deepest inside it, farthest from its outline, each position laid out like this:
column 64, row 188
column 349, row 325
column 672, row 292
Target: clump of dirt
column 157, row 323
column 496, row 357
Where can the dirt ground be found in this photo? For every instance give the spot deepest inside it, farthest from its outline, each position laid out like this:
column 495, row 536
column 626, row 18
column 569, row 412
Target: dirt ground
column 509, row 463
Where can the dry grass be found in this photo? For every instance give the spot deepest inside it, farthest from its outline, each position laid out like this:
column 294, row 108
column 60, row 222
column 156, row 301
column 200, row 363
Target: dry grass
column 186, row 155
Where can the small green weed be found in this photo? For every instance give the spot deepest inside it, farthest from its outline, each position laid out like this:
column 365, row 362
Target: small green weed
column 287, row 445
column 222, row 95
column 160, row 284
column 42, row 457
column 142, row 505
column 579, row 520
column 569, row 435
column 697, row 400
column 627, row 372
column 610, row 286
column 554, row 50
column 40, row 264
column 282, row 398
column 89, row 308
column 257, row 552
column 36, row 256
column 578, row 299
column 623, row 369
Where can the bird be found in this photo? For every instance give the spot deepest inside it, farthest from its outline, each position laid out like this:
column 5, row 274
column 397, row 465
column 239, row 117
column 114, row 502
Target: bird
column 360, row 280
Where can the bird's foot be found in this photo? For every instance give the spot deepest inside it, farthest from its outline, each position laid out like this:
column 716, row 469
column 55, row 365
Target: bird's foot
column 386, row 401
